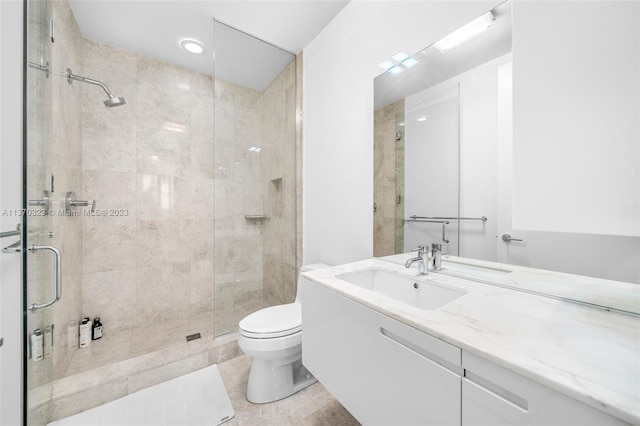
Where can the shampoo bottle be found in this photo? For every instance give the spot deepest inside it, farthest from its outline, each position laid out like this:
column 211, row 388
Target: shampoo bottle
column 36, row 345
column 85, row 333
column 96, row 330
column 48, row 341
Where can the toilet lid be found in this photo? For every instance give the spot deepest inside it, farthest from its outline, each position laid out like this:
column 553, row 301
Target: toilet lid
column 274, row 321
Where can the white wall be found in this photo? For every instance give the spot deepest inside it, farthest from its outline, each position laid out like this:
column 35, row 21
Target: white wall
column 340, row 65
column 576, row 107
column 10, row 198
column 431, row 178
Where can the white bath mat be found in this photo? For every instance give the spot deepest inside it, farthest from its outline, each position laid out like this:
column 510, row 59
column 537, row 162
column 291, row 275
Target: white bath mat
column 195, row 399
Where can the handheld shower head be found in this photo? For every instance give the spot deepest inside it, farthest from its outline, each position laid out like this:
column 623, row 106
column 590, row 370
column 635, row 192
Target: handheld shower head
column 113, row 101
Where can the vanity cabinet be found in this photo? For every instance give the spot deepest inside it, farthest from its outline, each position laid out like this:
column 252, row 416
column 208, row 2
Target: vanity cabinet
column 495, row 396
column 388, row 373
column 384, row 372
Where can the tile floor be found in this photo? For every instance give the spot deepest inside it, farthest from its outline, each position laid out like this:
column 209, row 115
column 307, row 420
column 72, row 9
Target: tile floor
column 313, row 406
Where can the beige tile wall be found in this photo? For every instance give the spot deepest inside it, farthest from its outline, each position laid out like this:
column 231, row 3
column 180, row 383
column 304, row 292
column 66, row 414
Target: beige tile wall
column 387, row 219
column 152, row 157
column 255, row 259
column 279, row 183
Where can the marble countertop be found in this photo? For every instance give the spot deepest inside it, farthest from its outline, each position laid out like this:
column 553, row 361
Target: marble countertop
column 590, row 354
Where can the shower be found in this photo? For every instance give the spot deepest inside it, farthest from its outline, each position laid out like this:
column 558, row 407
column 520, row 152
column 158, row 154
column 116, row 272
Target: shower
column 113, row 101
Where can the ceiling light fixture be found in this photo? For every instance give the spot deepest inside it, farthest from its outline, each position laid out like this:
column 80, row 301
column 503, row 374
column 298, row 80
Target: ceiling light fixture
column 466, row 33
column 192, row 46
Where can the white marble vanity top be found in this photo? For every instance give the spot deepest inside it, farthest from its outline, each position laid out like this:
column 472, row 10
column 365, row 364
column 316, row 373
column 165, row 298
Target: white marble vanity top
column 590, row 354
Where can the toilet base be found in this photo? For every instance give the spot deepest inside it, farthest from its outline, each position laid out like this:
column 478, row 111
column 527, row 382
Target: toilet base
column 270, row 382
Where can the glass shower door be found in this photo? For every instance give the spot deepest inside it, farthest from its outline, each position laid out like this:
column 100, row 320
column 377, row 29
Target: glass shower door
column 52, row 237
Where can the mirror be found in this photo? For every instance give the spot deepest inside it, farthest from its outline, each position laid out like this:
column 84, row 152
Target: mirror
column 452, row 145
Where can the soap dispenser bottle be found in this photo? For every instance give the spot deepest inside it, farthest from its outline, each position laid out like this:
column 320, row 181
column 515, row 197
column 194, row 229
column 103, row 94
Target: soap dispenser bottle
column 96, row 330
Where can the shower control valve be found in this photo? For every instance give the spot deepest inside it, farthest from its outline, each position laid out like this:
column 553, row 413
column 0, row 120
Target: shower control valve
column 70, row 203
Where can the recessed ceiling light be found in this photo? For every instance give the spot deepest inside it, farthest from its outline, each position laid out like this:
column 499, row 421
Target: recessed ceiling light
column 423, row 118
column 192, row 46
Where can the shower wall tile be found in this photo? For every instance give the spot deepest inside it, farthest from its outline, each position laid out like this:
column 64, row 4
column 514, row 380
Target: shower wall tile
column 111, row 295
column 163, row 293
column 201, row 240
column 162, row 197
column 278, row 165
column 163, row 75
column 163, row 242
column 109, row 244
column 202, row 197
column 153, row 156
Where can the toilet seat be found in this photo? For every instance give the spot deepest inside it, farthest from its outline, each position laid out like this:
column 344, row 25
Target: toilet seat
column 273, row 322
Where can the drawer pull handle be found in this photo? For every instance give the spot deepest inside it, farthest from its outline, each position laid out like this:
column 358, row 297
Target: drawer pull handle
column 497, row 390
column 420, row 351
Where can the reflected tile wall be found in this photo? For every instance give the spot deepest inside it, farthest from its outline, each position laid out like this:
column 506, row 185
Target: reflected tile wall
column 385, row 191
column 150, row 161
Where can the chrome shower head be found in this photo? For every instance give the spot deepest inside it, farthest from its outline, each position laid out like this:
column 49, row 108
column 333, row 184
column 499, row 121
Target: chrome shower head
column 113, row 101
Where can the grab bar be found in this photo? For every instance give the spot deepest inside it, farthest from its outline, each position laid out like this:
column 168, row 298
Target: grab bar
column 443, row 222
column 483, row 218
column 57, row 266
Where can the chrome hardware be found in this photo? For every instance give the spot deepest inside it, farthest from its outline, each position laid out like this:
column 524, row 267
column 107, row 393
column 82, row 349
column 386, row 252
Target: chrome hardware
column 45, row 68
column 444, row 223
column 398, row 199
column 415, row 285
column 70, row 203
column 17, row 246
column 1, row 341
column 507, row 238
column 423, row 254
column 15, row 233
column 52, row 31
column 436, row 257
column 57, row 266
column 13, row 248
column 45, row 203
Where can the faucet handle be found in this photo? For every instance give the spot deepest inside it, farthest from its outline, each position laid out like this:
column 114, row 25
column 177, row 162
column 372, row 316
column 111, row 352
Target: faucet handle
column 420, row 250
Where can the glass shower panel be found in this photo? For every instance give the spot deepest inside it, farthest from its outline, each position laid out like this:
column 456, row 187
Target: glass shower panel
column 255, row 176
column 40, row 365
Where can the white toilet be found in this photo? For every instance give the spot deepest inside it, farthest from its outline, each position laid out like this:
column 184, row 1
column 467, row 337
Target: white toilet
column 273, row 338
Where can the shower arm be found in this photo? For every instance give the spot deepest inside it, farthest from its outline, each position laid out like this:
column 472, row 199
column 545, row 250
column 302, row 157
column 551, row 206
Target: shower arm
column 71, row 76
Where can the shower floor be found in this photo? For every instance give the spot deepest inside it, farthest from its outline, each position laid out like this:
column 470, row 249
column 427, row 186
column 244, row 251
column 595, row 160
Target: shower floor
column 126, row 361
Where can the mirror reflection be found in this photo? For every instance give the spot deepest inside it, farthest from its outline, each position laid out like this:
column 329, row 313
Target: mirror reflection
column 444, row 159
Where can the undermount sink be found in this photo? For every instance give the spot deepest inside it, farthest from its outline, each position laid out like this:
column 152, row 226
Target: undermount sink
column 414, row 292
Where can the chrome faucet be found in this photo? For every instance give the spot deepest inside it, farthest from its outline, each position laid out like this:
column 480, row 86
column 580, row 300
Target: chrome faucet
column 422, row 259
column 435, row 263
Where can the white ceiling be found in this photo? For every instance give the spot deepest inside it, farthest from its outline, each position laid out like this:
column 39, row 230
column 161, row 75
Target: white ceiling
column 155, row 27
